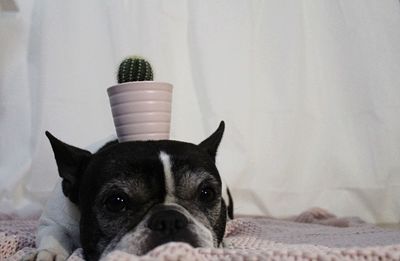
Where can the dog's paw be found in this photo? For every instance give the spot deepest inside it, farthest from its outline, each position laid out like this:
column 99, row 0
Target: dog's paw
column 322, row 217
column 44, row 255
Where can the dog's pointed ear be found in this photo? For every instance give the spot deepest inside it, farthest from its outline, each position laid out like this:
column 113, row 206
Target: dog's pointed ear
column 71, row 162
column 211, row 143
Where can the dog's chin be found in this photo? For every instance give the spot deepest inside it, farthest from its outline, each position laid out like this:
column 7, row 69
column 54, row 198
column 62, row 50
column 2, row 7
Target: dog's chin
column 189, row 238
column 141, row 244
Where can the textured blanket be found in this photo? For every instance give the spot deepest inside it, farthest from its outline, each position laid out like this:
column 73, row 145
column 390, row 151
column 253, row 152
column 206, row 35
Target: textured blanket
column 247, row 238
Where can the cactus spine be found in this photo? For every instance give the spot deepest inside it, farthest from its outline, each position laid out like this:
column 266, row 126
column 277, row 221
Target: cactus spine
column 134, row 69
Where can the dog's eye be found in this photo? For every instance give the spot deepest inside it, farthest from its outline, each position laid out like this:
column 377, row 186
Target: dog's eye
column 207, row 194
column 116, row 203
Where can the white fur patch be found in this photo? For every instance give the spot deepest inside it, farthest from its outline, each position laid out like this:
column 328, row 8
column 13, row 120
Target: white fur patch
column 169, row 179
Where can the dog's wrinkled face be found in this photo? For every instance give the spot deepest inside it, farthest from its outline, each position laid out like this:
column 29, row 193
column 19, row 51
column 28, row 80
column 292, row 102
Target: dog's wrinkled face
column 134, row 196
column 152, row 194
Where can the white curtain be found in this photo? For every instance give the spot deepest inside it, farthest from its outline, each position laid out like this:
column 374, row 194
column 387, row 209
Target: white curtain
column 309, row 91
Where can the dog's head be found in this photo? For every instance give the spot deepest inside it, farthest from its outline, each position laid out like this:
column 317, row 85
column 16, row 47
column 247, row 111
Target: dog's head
column 134, row 196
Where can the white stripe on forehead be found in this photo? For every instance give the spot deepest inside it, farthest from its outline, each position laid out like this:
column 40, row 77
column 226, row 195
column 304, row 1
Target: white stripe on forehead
column 169, row 179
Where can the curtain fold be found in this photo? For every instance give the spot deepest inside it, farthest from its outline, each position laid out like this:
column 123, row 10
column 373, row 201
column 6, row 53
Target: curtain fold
column 309, row 92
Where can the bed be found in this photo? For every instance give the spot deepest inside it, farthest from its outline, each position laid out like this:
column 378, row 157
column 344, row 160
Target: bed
column 247, row 238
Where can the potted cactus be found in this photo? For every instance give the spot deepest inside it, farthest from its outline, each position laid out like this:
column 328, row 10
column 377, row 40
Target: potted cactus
column 141, row 107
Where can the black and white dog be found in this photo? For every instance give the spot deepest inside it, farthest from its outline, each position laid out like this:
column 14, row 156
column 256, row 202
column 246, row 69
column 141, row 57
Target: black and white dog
column 134, row 196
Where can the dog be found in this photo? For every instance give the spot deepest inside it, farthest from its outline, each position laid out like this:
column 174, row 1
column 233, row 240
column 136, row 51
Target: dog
column 133, row 197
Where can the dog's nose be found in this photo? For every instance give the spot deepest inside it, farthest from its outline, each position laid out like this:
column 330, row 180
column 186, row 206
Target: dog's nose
column 167, row 222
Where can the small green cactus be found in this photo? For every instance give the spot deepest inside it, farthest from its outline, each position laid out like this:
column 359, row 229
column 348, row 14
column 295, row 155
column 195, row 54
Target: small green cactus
column 134, row 69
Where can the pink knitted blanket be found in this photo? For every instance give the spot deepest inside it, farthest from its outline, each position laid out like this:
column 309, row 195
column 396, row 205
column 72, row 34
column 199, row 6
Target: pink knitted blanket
column 247, row 238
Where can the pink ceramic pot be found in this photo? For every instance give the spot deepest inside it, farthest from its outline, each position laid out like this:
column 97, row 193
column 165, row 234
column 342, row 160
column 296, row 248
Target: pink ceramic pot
column 141, row 110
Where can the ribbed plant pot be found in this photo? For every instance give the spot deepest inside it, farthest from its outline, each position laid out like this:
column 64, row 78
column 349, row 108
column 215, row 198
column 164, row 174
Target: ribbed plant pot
column 141, row 110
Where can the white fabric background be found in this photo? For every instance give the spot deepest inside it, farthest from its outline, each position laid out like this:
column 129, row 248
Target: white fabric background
column 309, row 90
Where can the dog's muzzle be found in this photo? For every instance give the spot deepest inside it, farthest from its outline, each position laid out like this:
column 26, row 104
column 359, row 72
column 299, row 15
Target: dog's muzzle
column 163, row 224
column 170, row 223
